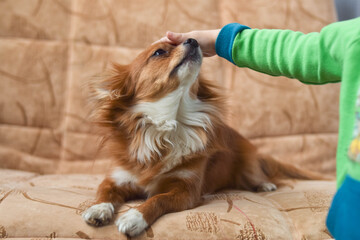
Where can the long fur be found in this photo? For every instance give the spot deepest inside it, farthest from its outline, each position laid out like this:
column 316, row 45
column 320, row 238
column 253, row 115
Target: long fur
column 166, row 133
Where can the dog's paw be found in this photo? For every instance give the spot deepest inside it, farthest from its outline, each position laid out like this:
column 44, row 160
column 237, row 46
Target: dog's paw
column 266, row 187
column 131, row 223
column 99, row 214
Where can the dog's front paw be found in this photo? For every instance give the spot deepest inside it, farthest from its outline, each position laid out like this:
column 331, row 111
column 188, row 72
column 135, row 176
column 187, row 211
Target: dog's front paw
column 99, row 214
column 266, row 187
column 131, row 223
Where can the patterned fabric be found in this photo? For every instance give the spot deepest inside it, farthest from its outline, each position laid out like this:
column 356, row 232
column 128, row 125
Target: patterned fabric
column 50, row 49
column 32, row 205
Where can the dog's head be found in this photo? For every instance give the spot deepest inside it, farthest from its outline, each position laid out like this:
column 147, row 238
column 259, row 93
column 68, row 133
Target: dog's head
column 162, row 68
column 154, row 73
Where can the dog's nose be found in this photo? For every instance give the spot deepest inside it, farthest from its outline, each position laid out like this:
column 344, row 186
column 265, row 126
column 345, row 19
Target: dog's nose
column 192, row 42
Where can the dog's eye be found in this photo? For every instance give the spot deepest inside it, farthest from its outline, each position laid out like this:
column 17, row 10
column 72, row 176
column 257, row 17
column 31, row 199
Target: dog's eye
column 159, row 52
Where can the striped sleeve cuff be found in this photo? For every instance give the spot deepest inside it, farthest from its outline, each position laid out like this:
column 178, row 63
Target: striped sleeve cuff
column 224, row 41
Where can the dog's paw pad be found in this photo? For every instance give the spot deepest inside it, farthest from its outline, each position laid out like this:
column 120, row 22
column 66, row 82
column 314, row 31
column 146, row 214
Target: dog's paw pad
column 99, row 214
column 131, row 223
column 266, row 187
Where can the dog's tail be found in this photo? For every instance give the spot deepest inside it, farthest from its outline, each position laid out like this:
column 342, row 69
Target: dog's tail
column 275, row 169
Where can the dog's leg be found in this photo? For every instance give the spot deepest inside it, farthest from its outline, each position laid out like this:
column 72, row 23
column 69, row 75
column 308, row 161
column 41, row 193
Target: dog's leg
column 266, row 187
column 110, row 196
column 178, row 195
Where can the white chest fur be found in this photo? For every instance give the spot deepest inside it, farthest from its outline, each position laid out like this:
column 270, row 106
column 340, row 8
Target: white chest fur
column 171, row 123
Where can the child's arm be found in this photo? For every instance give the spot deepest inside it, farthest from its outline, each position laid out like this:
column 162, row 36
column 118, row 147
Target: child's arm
column 314, row 58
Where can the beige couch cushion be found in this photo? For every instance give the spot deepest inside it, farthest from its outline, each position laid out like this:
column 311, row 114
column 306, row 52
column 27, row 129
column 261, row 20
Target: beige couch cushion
column 34, row 206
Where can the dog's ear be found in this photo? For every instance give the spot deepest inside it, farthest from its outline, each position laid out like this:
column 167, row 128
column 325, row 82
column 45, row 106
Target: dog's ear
column 113, row 84
column 121, row 85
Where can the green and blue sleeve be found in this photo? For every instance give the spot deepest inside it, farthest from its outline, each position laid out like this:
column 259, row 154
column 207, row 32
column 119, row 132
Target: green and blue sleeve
column 314, row 58
column 330, row 56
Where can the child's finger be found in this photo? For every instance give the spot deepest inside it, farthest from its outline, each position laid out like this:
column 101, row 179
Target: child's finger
column 176, row 38
column 163, row 40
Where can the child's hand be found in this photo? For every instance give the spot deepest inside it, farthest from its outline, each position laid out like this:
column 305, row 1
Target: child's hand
column 205, row 38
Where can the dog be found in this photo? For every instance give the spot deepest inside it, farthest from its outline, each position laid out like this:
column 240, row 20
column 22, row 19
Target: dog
column 169, row 140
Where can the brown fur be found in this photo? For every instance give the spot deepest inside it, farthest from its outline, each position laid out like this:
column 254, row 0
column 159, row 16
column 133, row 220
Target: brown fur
column 228, row 160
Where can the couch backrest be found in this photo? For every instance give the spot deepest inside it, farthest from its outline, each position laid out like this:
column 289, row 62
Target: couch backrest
column 50, row 49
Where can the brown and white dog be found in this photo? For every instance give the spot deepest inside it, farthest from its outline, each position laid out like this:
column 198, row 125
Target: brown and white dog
column 169, row 140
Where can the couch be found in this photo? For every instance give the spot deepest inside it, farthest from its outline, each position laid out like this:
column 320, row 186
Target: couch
column 50, row 159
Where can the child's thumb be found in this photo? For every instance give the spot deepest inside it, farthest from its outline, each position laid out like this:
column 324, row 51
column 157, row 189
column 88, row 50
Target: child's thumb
column 175, row 37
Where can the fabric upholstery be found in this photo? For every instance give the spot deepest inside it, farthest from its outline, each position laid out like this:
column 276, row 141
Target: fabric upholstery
column 50, row 49
column 33, row 205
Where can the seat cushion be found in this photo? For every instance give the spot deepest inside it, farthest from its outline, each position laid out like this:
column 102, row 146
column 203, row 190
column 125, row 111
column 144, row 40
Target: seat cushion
column 38, row 206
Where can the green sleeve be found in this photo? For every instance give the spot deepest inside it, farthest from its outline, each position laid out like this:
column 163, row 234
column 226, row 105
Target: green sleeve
column 314, row 58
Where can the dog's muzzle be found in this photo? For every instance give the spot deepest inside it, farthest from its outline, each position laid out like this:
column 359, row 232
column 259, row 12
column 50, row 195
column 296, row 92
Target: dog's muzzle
column 192, row 54
column 192, row 49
